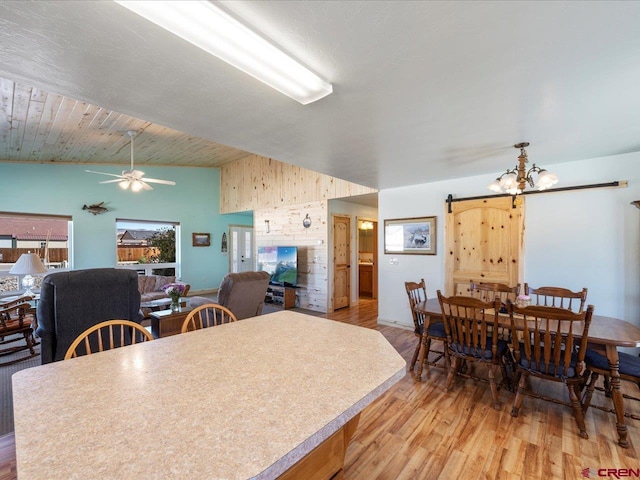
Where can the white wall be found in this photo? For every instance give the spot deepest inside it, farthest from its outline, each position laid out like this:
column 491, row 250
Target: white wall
column 574, row 239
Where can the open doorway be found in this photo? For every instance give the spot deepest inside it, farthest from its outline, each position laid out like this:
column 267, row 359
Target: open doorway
column 357, row 209
column 367, row 233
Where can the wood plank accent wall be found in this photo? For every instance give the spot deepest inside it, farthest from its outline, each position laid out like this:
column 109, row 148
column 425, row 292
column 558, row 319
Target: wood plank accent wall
column 259, row 182
column 285, row 229
column 284, row 194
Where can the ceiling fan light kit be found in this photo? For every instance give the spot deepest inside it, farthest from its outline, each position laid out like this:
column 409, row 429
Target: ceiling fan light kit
column 205, row 25
column 515, row 181
column 133, row 178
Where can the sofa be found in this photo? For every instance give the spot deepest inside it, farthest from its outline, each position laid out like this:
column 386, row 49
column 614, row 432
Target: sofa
column 242, row 293
column 150, row 287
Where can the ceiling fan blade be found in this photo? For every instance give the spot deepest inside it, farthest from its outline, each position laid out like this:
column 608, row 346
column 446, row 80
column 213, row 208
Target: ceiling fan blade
column 102, row 173
column 145, row 186
column 155, row 180
column 117, row 180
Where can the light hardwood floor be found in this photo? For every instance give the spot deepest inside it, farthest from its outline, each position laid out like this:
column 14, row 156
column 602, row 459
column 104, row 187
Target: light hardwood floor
column 418, row 430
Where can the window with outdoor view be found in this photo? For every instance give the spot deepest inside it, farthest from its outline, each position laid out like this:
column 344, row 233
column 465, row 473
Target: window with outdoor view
column 150, row 248
column 46, row 236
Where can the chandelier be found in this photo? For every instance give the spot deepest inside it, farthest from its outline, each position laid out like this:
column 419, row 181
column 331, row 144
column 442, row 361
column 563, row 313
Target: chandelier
column 515, row 181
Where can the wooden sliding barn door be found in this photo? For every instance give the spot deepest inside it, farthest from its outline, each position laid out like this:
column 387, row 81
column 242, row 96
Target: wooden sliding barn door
column 484, row 243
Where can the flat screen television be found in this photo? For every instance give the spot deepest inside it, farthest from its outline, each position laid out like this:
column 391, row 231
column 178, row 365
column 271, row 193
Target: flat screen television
column 281, row 263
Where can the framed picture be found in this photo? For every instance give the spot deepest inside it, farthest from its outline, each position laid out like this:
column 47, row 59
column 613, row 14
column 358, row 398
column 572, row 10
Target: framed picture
column 415, row 236
column 201, row 239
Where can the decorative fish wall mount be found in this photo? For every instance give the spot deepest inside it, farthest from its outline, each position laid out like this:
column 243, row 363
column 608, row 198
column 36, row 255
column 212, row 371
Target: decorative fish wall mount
column 96, row 208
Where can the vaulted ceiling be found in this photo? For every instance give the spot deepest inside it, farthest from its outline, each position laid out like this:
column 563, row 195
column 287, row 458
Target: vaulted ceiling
column 38, row 126
column 423, row 91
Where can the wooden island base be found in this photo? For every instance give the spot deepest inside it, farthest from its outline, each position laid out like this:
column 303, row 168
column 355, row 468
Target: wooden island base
column 327, row 459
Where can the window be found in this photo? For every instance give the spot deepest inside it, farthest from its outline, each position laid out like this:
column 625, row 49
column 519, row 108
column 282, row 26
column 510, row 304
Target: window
column 49, row 236
column 150, row 248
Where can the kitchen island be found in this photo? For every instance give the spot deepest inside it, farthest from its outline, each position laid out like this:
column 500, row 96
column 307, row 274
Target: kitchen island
column 269, row 396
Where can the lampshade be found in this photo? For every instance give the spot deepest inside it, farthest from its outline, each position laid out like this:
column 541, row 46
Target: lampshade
column 28, row 264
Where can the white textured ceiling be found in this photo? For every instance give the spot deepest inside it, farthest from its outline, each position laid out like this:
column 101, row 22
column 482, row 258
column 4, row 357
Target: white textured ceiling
column 423, row 91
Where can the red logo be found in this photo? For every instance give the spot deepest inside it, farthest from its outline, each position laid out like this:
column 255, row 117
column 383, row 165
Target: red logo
column 615, row 472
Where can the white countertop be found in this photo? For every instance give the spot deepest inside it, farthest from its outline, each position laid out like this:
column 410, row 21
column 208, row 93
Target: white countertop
column 236, row 401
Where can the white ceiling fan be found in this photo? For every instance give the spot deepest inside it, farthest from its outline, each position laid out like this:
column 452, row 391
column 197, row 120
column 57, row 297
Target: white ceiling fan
column 133, row 178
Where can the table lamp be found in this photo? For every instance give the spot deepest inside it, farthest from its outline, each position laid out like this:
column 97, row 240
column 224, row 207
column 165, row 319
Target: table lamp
column 27, row 264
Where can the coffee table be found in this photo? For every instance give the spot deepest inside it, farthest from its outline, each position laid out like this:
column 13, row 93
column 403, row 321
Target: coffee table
column 167, row 322
column 161, row 303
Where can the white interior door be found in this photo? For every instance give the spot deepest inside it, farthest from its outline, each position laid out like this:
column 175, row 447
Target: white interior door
column 241, row 249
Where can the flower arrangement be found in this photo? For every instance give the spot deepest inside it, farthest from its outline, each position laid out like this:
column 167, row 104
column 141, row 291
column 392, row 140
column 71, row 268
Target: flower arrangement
column 174, row 290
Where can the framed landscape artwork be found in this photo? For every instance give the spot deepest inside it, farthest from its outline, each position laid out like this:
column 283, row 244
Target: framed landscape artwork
column 201, row 239
column 410, row 236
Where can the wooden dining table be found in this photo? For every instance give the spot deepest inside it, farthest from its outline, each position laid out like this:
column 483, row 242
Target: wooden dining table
column 606, row 334
column 274, row 396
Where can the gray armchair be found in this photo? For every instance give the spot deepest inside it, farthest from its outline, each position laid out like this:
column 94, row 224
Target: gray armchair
column 70, row 302
column 242, row 293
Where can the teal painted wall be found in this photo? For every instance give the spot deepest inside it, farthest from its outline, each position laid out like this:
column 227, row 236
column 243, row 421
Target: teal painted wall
column 194, row 202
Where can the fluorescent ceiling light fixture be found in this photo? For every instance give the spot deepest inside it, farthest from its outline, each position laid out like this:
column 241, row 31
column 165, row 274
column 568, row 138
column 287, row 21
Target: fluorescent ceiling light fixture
column 206, row 26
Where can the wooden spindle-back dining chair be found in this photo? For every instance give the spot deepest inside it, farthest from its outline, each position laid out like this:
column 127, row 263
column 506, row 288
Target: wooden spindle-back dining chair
column 552, row 346
column 107, row 335
column 417, row 293
column 207, row 315
column 471, row 325
column 489, row 291
column 598, row 365
column 557, row 297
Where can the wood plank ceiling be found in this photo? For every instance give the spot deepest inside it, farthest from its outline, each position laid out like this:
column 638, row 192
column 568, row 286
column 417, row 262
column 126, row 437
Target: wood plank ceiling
column 42, row 127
